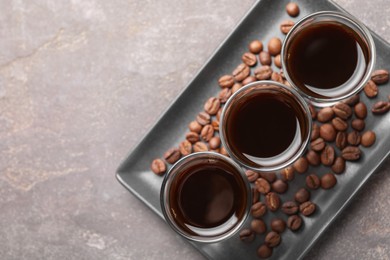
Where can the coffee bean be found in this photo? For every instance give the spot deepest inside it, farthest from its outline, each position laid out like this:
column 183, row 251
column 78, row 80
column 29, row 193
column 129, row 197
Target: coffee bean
column 287, row 174
column 274, row 46
column 358, row 124
column 380, row 76
column 380, row 107
column 251, row 175
column 241, row 72
column 278, row 62
column 325, row 114
column 212, row 106
column 301, row 165
column 224, row 95
column 338, row 165
column 276, row 77
column 272, row 239
column 315, row 132
column 342, row 110
column 207, row 132
column 255, row 195
column 351, row 153
column 286, row 26
column 262, row 185
column 172, row 155
column 313, row 182
column 248, row 80
column 360, row 110
column 339, row 124
column 313, row 158
column 302, row 195
column 258, row 226
column 341, row 140
column 290, row 207
column 368, row 138
column 219, row 114
column 353, row 138
column 236, row 87
column 192, row 137
column 265, row 58
column 278, row 225
column 226, row 81
column 223, row 151
column 215, row 125
column 327, row 155
column 200, row 147
column 371, row 89
column 318, row 144
column 307, row 208
column 279, row 186
column 313, row 111
column 249, row 59
column 327, row 132
column 203, row 118
column 215, row 142
column 328, row 181
column 158, row 166
column 255, row 46
column 185, row 148
column 194, row 126
column 264, row 251
column 269, row 176
column 352, row 100
column 258, row 209
column 247, row 235
column 263, row 72
column 294, row 222
column 272, row 201
column 292, row 9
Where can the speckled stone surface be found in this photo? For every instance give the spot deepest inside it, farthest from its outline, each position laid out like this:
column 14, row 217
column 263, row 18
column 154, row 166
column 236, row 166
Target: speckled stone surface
column 78, row 84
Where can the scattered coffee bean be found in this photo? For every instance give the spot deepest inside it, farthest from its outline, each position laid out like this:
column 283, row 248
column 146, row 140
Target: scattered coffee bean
column 313, row 111
column 272, row 201
column 263, row 72
column 328, row 181
column 368, row 138
column 313, row 182
column 361, row 110
column 339, row 124
column 212, row 106
column 258, row 209
column 236, row 87
column 262, row 185
column 380, row 76
column 358, row 124
column 302, row 195
column 317, row 145
column 224, row 95
column 292, row 9
column 313, row 158
column 203, row 118
column 315, row 132
column 278, row 62
column 255, row 46
column 277, row 77
column 226, row 81
column 272, row 239
column 172, row 155
column 351, row 153
column 352, row 100
column 249, row 59
column 194, row 126
column 241, row 72
column 371, row 89
column 247, row 235
column 287, row 174
column 342, row 110
column 258, row 226
column 279, row 186
column 278, row 225
column 255, row 195
column 274, row 46
column 290, row 207
column 185, row 148
column 158, row 166
column 327, row 155
column 251, row 175
column 327, row 132
column 353, row 138
column 380, row 107
column 301, row 165
column 294, row 222
column 269, row 176
column 264, row 251
column 286, row 26
column 192, row 137
column 223, row 151
column 215, row 125
column 307, row 208
column 338, row 165
column 265, row 58
column 200, row 147
column 341, row 140
column 219, row 114
column 207, row 132
column 248, row 80
column 325, row 114
column 215, row 142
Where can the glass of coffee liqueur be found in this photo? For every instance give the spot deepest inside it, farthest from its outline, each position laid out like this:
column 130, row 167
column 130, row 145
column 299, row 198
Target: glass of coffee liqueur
column 328, row 56
column 205, row 197
column 265, row 126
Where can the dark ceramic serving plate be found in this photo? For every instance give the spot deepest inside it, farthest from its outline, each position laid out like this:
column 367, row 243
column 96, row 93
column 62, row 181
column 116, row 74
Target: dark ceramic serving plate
column 262, row 20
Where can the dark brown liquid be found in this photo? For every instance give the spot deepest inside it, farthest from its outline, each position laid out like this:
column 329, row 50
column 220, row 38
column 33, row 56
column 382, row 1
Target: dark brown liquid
column 326, row 56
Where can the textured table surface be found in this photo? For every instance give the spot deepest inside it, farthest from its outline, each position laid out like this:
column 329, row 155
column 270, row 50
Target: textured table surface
column 80, row 83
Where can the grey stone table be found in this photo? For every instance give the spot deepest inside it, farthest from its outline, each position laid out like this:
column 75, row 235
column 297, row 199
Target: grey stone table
column 78, row 84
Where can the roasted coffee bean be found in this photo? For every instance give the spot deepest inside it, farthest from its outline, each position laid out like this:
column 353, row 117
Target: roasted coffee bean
column 241, row 72
column 380, row 76
column 371, row 89
column 265, row 58
column 342, row 110
column 358, row 124
column 315, row 132
column 212, row 106
column 200, row 147
column 287, row 174
column 353, row 138
column 226, row 81
column 158, row 166
column 272, row 201
column 307, row 208
column 251, row 175
column 368, row 138
column 258, row 209
column 341, row 140
column 278, row 225
column 292, row 9
column 255, row 46
column 327, row 132
column 249, row 59
column 318, row 144
column 279, row 186
column 272, row 239
column 313, row 111
column 255, row 195
column 192, row 137
column 203, row 118
column 278, row 62
column 194, row 126
column 258, row 226
column 313, row 158
column 302, row 195
column 248, row 80
column 219, row 114
column 236, row 87
column 185, row 148
column 247, row 235
column 269, row 176
column 325, row 114
column 263, row 72
column 215, row 142
column 224, row 95
column 361, row 110
column 207, row 132
column 286, row 26
column 274, row 46
column 351, row 153
column 172, row 155
column 339, row 124
column 276, row 77
column 327, row 155
column 313, row 182
column 352, row 101
column 264, row 251
column 223, row 151
column 338, row 165
column 215, row 125
column 301, row 165
column 380, row 107
column 262, row 185
column 290, row 207
column 328, row 181
column 294, row 222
